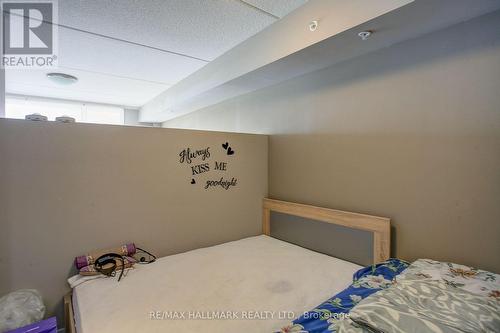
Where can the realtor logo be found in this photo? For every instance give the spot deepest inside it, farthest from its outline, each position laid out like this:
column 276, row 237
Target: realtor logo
column 29, row 33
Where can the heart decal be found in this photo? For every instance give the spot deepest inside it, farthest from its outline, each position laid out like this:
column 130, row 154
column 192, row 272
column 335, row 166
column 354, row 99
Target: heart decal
column 228, row 149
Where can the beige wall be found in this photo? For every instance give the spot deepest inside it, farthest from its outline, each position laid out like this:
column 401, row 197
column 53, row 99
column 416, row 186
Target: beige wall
column 411, row 132
column 68, row 188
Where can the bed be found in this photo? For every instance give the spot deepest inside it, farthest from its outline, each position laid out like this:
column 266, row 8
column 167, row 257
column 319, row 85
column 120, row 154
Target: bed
column 256, row 284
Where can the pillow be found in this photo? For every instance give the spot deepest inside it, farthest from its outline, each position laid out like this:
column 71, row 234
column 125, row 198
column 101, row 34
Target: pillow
column 473, row 280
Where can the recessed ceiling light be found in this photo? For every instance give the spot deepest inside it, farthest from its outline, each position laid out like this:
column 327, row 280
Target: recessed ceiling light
column 62, row 79
column 313, row 25
column 365, row 34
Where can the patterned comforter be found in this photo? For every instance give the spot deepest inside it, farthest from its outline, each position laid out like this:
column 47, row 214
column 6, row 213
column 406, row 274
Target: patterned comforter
column 431, row 296
column 325, row 317
column 428, row 296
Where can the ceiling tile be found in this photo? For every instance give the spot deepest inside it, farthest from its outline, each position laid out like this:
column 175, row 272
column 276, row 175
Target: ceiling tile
column 92, row 53
column 279, row 8
column 91, row 87
column 203, row 29
column 117, row 48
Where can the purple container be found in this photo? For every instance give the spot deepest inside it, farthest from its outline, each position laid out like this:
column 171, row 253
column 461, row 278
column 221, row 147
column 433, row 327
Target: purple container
column 44, row 326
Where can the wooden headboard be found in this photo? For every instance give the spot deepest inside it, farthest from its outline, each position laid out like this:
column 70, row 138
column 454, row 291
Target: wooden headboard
column 379, row 226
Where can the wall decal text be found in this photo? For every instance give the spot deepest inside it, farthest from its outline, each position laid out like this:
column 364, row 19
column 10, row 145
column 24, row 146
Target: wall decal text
column 187, row 155
column 202, row 166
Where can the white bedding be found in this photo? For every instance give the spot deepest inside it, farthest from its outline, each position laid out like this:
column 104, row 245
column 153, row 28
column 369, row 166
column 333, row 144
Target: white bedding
column 250, row 279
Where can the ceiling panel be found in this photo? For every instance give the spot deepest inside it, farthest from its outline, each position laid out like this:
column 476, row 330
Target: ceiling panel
column 92, row 53
column 279, row 8
column 126, row 52
column 287, row 36
column 232, row 74
column 91, row 87
column 203, row 29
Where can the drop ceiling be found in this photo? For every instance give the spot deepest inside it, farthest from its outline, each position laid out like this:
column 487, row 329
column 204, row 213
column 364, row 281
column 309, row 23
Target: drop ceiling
column 273, row 55
column 126, row 52
column 171, row 57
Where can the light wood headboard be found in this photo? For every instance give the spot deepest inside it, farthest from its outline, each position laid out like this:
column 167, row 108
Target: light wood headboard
column 379, row 226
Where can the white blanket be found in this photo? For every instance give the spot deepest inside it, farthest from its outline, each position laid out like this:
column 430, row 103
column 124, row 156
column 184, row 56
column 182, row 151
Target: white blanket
column 252, row 285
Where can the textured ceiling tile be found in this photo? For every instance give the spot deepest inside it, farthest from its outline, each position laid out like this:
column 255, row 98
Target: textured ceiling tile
column 279, row 8
column 201, row 28
column 92, row 53
column 113, row 71
column 91, row 87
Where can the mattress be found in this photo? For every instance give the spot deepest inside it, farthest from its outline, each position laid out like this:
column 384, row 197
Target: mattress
column 256, row 284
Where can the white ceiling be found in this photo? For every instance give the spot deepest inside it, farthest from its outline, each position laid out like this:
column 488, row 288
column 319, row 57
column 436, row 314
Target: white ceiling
column 126, row 52
column 278, row 8
column 291, row 34
column 284, row 51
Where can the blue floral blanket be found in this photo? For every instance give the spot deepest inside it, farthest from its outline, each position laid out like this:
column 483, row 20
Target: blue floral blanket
column 366, row 281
